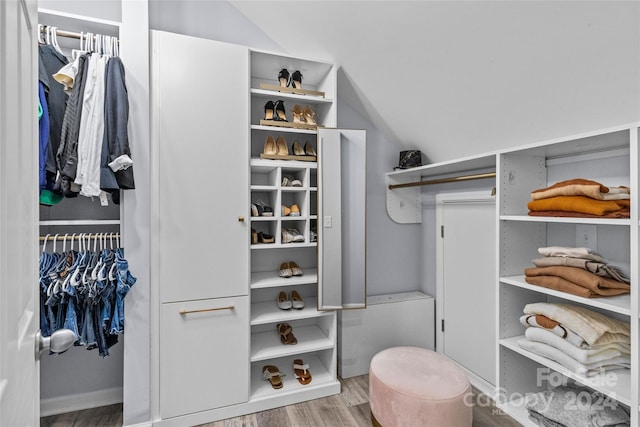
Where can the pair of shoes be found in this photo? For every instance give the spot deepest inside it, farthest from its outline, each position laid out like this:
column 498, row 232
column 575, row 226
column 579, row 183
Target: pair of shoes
column 294, row 80
column 288, row 269
column 301, row 372
column 286, row 304
column 291, row 235
column 303, row 115
column 260, row 208
column 314, row 234
column 290, row 181
column 272, row 374
column 308, row 149
column 286, row 334
column 275, row 111
column 294, row 210
column 277, row 146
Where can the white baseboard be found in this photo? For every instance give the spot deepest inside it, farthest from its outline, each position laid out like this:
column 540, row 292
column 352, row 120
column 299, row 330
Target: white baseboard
column 145, row 424
column 78, row 402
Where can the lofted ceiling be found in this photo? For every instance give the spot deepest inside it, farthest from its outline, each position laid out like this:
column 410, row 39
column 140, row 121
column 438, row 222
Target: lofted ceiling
column 456, row 78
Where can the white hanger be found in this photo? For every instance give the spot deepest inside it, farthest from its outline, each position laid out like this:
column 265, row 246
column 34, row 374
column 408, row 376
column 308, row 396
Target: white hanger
column 41, row 29
column 64, row 243
column 73, row 237
column 54, row 38
column 55, row 238
column 44, row 245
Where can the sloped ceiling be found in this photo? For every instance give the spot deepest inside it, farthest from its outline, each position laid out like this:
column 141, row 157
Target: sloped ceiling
column 458, row 78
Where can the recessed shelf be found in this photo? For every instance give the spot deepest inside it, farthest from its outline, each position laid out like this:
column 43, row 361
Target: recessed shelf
column 615, row 384
column 303, row 99
column 268, row 165
column 320, row 378
column 81, row 222
column 264, row 188
column 270, row 279
column 283, row 129
column 267, row 345
column 567, row 220
column 617, row 304
column 261, row 246
column 268, row 312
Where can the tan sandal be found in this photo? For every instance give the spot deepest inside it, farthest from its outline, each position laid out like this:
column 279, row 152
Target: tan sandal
column 301, row 372
column 272, row 374
column 286, row 334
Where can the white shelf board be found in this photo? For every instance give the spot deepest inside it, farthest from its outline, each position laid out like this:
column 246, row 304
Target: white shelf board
column 81, row 222
column 270, row 279
column 268, row 312
column 465, row 164
column 303, row 99
column 283, row 129
column 294, row 218
column 77, row 19
column 263, row 218
column 620, row 391
column 267, row 345
column 617, row 304
column 261, row 246
column 261, row 389
column 264, row 188
column 268, row 165
column 294, row 189
column 567, row 220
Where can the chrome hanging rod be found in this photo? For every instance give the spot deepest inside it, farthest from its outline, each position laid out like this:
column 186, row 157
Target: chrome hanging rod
column 64, row 33
column 444, row 180
column 78, row 236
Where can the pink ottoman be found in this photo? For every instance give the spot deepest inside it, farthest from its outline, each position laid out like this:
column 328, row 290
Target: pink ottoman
column 415, row 387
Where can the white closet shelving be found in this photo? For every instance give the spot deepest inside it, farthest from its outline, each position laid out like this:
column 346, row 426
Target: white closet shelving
column 609, row 156
column 227, row 285
column 314, row 330
column 603, row 156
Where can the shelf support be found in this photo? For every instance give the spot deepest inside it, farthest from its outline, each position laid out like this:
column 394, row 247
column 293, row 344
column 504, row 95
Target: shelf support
column 404, row 205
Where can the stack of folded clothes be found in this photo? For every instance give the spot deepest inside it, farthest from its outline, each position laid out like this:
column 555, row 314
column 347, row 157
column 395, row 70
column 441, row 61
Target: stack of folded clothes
column 575, row 406
column 578, row 271
column 580, row 198
column 581, row 340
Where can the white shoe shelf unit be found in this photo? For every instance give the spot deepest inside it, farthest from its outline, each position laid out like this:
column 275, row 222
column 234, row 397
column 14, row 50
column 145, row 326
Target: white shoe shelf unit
column 314, row 330
column 215, row 304
column 609, row 156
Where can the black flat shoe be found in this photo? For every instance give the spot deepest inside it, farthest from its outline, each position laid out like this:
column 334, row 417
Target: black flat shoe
column 296, row 80
column 283, row 76
column 279, row 110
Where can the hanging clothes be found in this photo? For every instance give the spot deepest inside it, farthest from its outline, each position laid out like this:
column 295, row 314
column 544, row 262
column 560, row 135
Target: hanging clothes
column 49, row 62
column 43, row 136
column 67, row 154
column 84, row 291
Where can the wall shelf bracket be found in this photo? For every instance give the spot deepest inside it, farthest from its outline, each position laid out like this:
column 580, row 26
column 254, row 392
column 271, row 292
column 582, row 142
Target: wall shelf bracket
column 404, row 205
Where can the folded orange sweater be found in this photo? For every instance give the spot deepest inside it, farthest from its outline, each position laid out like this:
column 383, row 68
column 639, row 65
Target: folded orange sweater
column 577, row 204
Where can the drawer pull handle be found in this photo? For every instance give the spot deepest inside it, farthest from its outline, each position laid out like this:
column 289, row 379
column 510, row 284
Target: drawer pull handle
column 230, row 307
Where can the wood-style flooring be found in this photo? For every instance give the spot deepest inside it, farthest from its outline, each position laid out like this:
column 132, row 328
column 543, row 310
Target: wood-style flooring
column 348, row 409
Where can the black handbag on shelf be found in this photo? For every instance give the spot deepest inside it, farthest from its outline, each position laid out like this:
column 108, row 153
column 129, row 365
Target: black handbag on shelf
column 409, row 159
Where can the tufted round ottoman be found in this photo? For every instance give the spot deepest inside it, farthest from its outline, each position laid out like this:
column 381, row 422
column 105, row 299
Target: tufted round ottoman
column 415, row 387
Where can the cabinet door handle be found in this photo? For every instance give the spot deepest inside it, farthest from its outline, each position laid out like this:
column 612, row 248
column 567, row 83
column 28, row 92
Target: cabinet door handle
column 241, row 218
column 229, row 307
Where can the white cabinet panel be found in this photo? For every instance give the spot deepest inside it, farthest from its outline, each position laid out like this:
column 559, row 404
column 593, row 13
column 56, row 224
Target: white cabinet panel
column 200, row 99
column 204, row 355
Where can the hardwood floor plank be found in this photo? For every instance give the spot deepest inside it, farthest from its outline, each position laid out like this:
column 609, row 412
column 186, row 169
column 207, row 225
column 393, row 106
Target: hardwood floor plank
column 348, row 409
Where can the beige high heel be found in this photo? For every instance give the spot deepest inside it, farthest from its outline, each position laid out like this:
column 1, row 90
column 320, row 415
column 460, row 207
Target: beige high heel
column 309, row 116
column 297, row 112
column 297, row 149
column 269, row 145
column 309, row 150
column 281, row 147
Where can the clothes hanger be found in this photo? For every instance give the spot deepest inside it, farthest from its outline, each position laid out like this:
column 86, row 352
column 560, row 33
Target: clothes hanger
column 54, row 38
column 44, row 244
column 41, row 29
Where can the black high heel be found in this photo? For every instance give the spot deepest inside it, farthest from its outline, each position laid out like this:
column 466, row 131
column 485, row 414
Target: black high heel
column 296, row 79
column 269, row 108
column 279, row 110
column 283, row 76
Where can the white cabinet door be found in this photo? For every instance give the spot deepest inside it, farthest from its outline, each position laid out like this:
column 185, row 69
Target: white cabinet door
column 204, row 355
column 19, row 305
column 467, row 282
column 200, row 137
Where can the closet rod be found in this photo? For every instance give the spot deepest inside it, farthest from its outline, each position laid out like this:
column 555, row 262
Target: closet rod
column 444, row 180
column 78, row 236
column 64, row 33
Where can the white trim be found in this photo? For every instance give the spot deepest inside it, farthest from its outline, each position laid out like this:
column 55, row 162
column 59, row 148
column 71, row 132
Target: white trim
column 144, row 424
column 80, row 401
